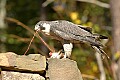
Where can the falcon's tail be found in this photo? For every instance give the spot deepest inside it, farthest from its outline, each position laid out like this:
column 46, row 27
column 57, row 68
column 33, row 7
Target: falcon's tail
column 100, row 51
column 97, row 36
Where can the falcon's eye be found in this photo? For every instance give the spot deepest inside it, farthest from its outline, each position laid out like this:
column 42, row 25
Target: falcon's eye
column 39, row 24
column 56, row 21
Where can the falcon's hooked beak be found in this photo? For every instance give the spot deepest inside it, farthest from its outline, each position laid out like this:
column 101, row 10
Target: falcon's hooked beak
column 39, row 27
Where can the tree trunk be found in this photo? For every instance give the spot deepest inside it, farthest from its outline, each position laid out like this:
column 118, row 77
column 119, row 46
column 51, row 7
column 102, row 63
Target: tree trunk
column 115, row 12
column 2, row 25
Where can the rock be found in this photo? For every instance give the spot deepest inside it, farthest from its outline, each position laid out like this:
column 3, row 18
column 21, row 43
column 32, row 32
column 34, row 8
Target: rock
column 63, row 69
column 32, row 62
column 8, row 75
column 7, row 59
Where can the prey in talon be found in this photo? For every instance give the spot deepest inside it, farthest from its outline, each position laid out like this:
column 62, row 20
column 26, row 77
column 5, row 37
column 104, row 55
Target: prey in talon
column 58, row 55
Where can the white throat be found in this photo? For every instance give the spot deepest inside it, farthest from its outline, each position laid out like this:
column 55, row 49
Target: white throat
column 47, row 28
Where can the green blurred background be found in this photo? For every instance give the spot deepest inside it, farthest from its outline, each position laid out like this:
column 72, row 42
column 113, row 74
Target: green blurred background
column 15, row 38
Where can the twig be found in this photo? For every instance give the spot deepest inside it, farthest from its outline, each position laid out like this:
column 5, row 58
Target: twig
column 89, row 76
column 47, row 2
column 30, row 42
column 20, row 23
column 96, row 2
column 19, row 38
column 52, row 50
column 100, row 63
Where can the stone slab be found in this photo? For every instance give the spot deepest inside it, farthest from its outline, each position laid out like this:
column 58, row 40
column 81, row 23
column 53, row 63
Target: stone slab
column 63, row 69
column 9, row 75
column 31, row 62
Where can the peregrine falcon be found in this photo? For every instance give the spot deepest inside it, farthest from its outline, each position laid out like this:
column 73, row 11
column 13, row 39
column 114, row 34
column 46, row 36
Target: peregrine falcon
column 67, row 33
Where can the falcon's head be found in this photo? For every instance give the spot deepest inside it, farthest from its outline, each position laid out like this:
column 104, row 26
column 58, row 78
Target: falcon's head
column 45, row 26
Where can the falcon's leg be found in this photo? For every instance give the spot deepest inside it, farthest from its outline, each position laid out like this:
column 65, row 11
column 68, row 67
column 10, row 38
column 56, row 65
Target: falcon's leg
column 67, row 49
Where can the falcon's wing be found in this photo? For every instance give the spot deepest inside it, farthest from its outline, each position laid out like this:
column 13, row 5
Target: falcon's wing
column 64, row 35
column 71, row 28
column 73, row 32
